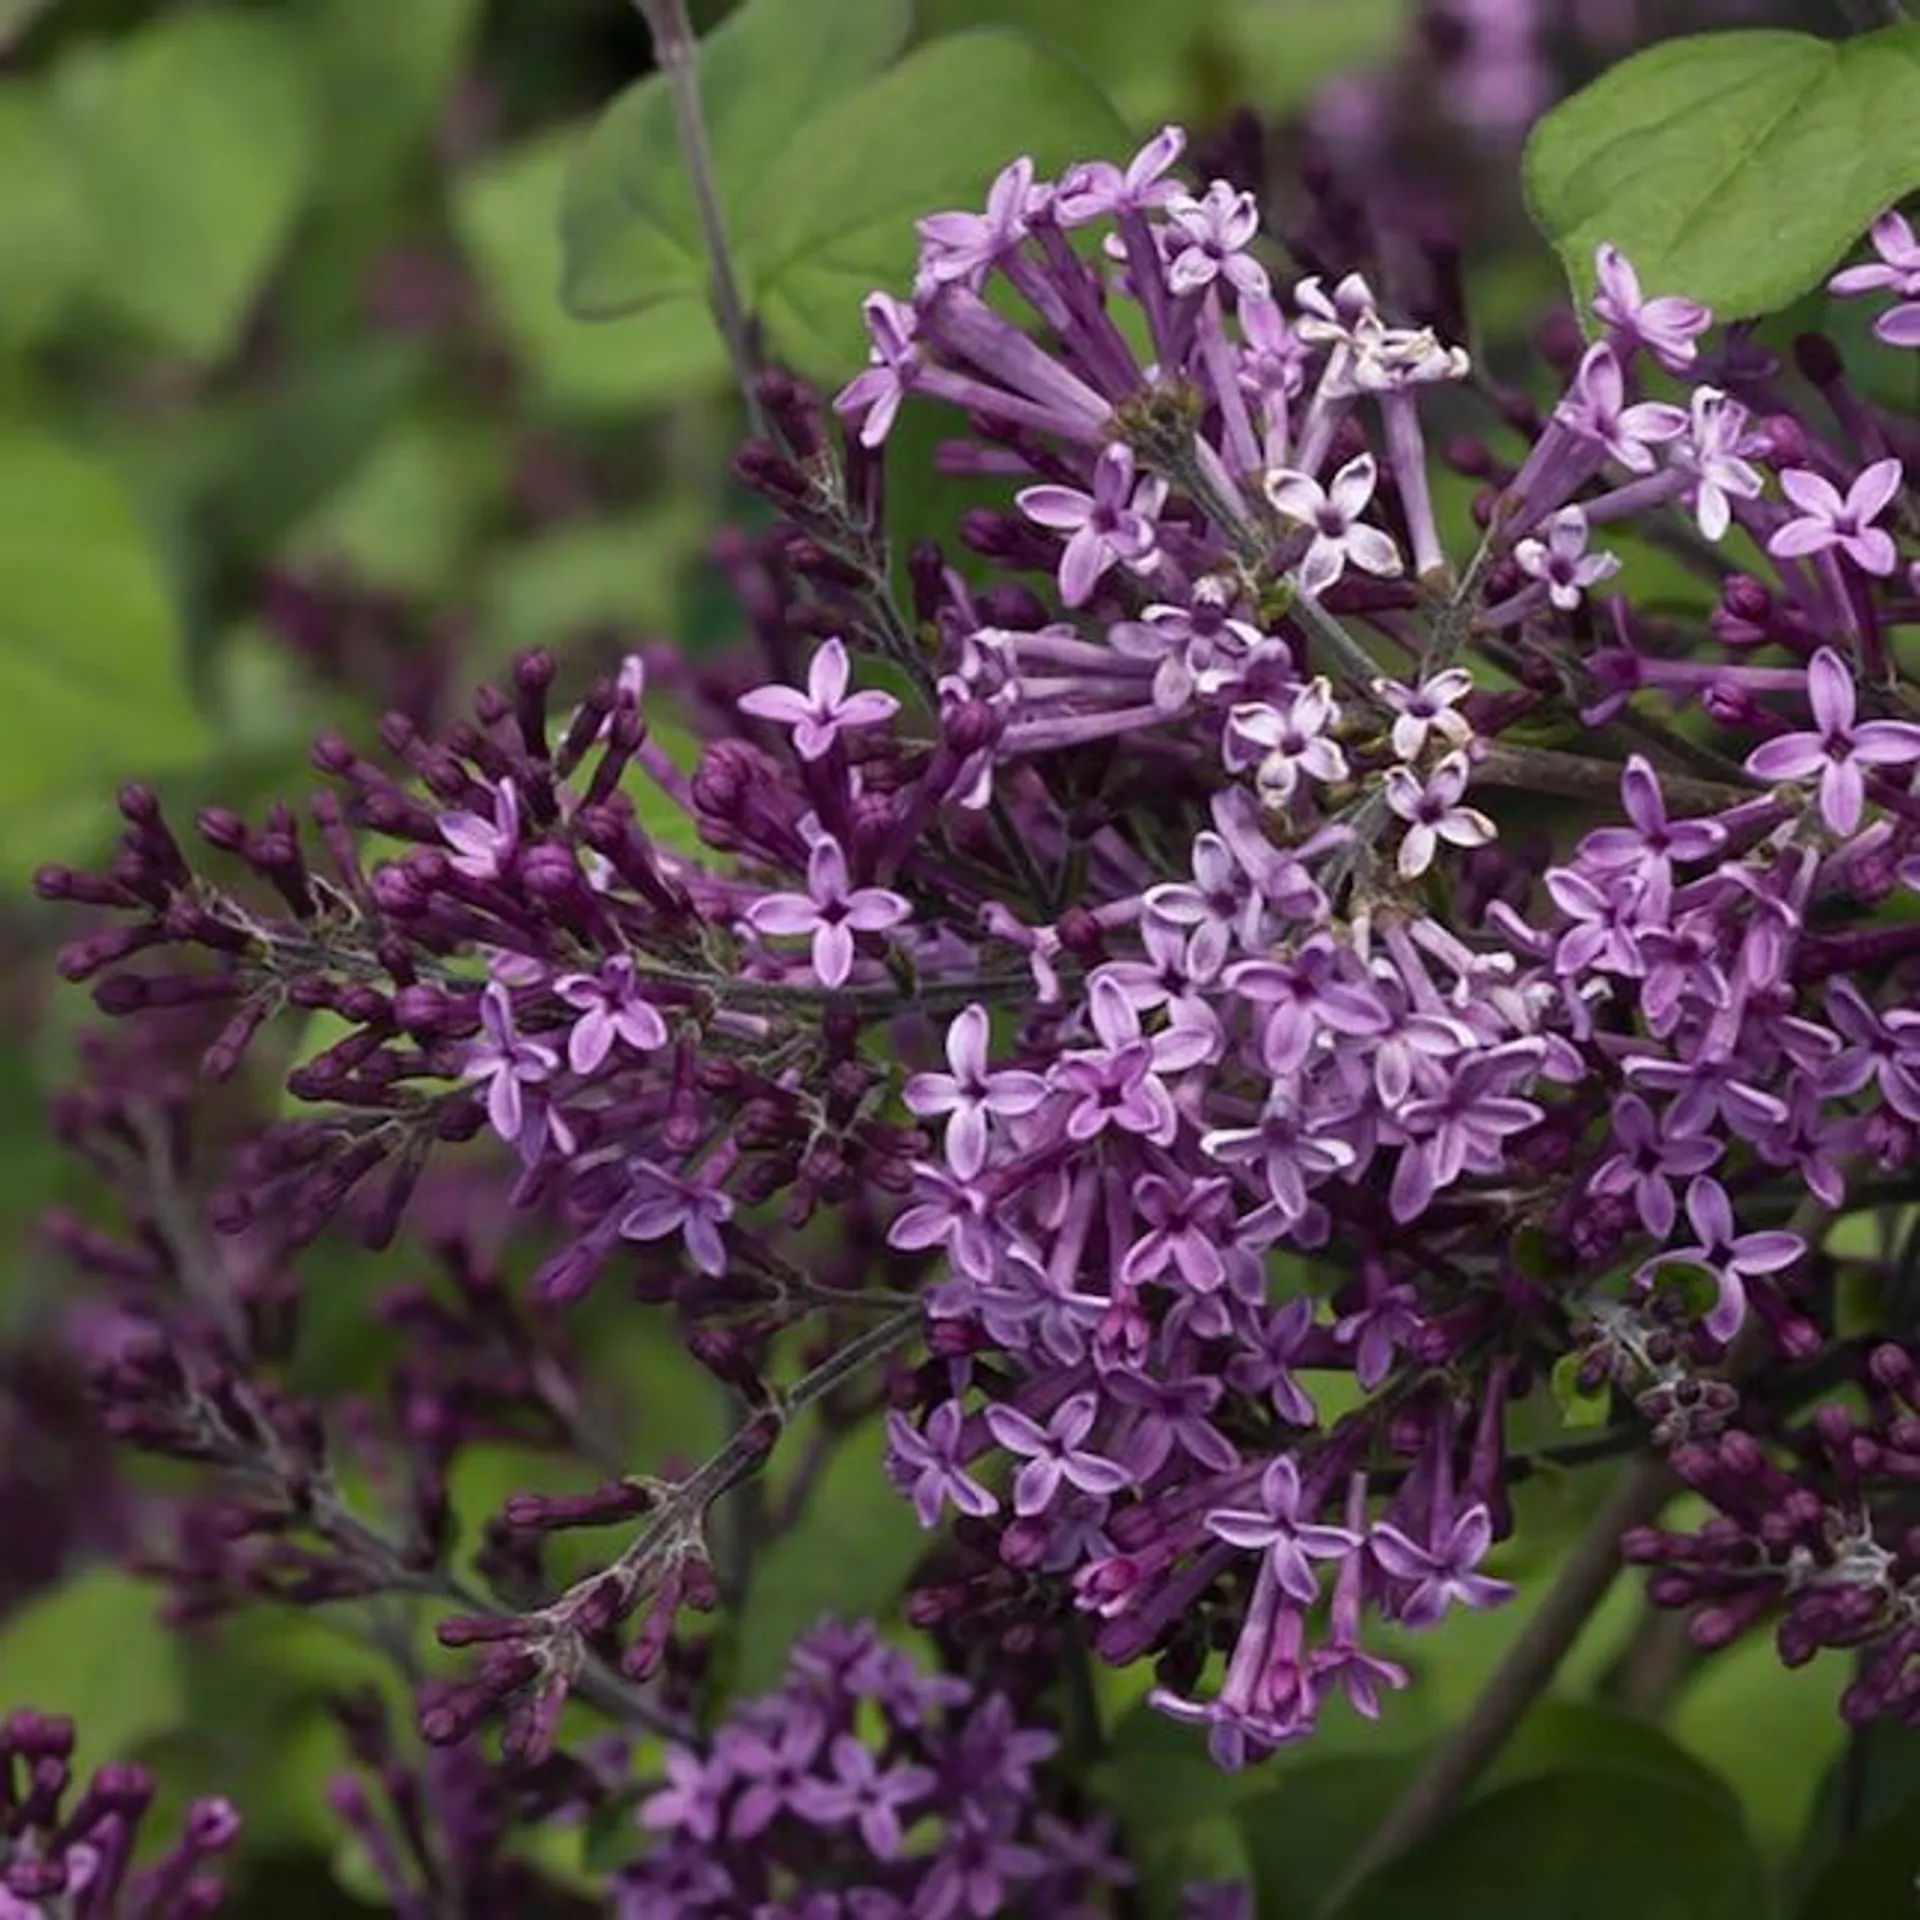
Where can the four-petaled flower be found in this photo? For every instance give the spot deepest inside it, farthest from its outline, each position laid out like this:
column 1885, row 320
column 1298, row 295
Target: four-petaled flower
column 1827, row 520
column 964, row 246
column 1097, row 188
column 1114, row 524
column 1713, row 455
column 1596, row 408
column 1648, row 1157
column 1428, row 710
column 1897, row 271
column 483, row 848
column 1441, row 1574
column 1732, row 1258
column 660, row 1203
column 1561, row 561
column 926, row 1463
column 1667, row 326
column 1838, row 747
column 1117, row 1084
column 1054, row 1453
column 830, row 911
column 1332, row 515
column 818, row 715
column 611, row 1007
column 971, row 1092
column 1433, row 813
column 507, row 1062
column 1209, row 237
column 873, row 396
column 863, row 1793
column 1282, row 743
column 1290, row 1539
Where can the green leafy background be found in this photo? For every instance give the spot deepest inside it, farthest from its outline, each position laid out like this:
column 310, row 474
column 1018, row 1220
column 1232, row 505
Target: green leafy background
column 199, row 206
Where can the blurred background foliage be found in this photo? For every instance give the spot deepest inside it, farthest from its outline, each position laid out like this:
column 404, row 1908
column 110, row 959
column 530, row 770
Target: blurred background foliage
column 295, row 428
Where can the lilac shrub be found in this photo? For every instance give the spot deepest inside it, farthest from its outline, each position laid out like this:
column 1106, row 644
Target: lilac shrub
column 1114, row 987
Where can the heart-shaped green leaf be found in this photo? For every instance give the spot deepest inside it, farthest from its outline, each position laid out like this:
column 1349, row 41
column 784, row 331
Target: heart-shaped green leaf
column 1735, row 168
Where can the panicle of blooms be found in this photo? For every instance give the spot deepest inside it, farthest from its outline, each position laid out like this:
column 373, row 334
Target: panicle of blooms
column 862, row 1789
column 1255, row 1033
column 67, row 1847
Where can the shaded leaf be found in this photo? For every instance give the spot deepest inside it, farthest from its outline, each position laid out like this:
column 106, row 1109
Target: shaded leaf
column 849, row 1556
column 1730, row 166
column 631, row 233
column 84, row 609
column 43, row 245
column 838, row 220
column 193, row 141
column 1585, row 1844
column 93, row 1649
column 1878, row 1874
column 505, row 211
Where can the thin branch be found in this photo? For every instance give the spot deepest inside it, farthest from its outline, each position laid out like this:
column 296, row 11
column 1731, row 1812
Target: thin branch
column 1634, row 1499
column 1575, row 777
column 677, row 52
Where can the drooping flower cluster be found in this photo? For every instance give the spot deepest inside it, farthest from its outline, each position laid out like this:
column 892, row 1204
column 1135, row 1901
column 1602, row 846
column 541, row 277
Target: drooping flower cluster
column 67, row 1851
column 862, row 1789
column 1252, row 1035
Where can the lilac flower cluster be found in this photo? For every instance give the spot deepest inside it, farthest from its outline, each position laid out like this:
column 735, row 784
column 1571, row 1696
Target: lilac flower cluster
column 70, row 1854
column 1148, row 988
column 864, row 1790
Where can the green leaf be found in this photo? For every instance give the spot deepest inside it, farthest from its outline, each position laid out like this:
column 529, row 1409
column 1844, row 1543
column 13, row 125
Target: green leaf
column 1585, row 1844
column 1302, row 1832
column 1875, row 1778
column 838, row 219
column 850, row 1555
column 630, row 573
column 1766, row 1729
column 93, row 1649
column 1878, row 1874
column 384, row 68
column 1731, row 167
column 1157, row 1773
column 631, row 233
column 43, row 247
column 194, row 144
column 1579, row 1404
column 91, row 674
column 1558, row 1734
column 505, row 212
column 408, row 515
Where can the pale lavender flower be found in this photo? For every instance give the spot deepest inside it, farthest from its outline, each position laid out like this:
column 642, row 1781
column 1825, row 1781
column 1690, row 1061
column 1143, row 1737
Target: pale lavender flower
column 1596, row 408
column 1054, row 1453
column 483, row 848
column 1713, row 455
column 1667, row 326
column 660, row 1203
column 1444, row 1573
column 1117, row 1083
column 1430, row 710
column 873, row 397
column 1332, row 515
column 830, row 911
column 1209, row 237
column 1097, row 188
column 964, row 246
column 1897, row 271
column 507, row 1063
column 1433, row 813
column 1731, row 1257
column 1649, row 847
column 926, row 1463
column 1827, row 521
column 611, row 1007
column 1837, row 749
column 972, row 1092
column 1289, row 1539
column 818, row 715
column 1114, row 524
column 1561, row 561
column 1284, row 743
column 864, row 1794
